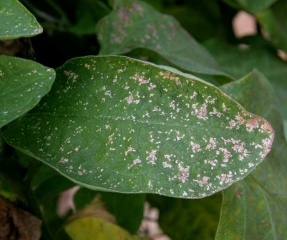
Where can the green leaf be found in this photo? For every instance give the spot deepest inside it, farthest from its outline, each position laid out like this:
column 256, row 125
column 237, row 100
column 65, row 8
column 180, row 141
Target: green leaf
column 17, row 21
column 126, row 208
column 188, row 218
column 135, row 24
column 257, row 206
column 6, row 190
column 53, row 187
column 252, row 6
column 274, row 22
column 194, row 16
column 96, row 222
column 119, row 124
column 88, row 13
column 238, row 62
column 285, row 129
column 23, row 83
column 157, row 59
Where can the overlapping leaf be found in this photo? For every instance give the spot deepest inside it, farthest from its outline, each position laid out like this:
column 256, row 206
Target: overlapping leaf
column 188, row 218
column 257, row 206
column 119, row 124
column 17, row 21
column 134, row 24
column 23, row 83
column 238, row 62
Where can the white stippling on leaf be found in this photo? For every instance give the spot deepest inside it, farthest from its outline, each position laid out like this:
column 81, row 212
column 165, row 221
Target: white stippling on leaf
column 151, row 157
column 183, row 173
column 136, row 127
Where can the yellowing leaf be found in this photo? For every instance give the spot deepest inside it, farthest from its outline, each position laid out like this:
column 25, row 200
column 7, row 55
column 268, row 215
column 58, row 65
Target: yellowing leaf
column 93, row 228
column 95, row 222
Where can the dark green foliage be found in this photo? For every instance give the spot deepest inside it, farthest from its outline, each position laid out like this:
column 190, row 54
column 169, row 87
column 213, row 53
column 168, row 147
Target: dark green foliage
column 129, row 129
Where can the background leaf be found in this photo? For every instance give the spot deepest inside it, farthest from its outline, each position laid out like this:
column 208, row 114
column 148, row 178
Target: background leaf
column 126, row 208
column 238, row 62
column 44, row 186
column 23, row 83
column 252, row 6
column 188, row 218
column 53, row 187
column 5, row 189
column 196, row 17
column 96, row 220
column 95, row 228
column 17, row 21
column 274, row 22
column 69, row 29
column 88, row 12
column 256, row 207
column 48, row 197
column 124, row 125
column 134, row 24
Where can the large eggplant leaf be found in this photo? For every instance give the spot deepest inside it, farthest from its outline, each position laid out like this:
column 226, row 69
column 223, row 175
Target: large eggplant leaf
column 118, row 124
column 17, row 21
column 135, row 24
column 274, row 22
column 238, row 62
column 252, row 6
column 256, row 208
column 23, row 83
